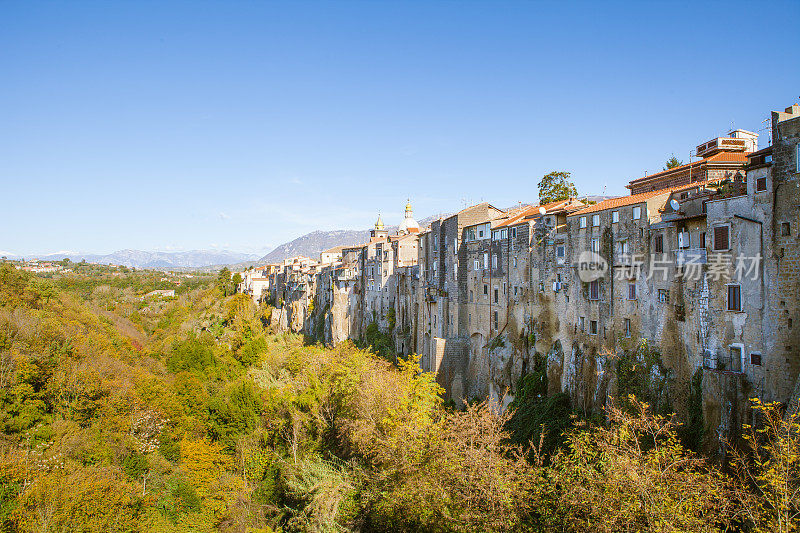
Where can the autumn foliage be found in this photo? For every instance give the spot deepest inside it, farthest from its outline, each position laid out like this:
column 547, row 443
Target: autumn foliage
column 190, row 415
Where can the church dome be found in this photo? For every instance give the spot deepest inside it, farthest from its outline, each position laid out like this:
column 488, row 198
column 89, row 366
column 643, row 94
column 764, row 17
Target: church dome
column 409, row 225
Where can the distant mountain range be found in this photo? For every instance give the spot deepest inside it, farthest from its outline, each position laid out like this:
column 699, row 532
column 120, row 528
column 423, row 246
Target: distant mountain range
column 309, row 245
column 154, row 260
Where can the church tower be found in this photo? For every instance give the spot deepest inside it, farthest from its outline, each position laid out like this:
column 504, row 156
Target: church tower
column 409, row 225
column 379, row 232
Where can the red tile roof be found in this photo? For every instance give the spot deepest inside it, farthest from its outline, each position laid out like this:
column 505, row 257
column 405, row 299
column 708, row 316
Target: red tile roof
column 532, row 211
column 729, row 157
column 721, row 157
column 622, row 201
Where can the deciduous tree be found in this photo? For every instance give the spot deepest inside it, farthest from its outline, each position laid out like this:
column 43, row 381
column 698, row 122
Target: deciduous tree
column 555, row 187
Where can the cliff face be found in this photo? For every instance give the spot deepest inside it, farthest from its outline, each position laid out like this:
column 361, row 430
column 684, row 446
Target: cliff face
column 659, row 371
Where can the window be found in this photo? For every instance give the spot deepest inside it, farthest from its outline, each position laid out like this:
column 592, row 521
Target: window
column 560, row 252
column 755, row 358
column 471, row 296
column 486, row 260
column 515, row 290
column 594, row 290
column 593, row 327
column 504, row 288
column 480, row 234
column 702, row 239
column 485, row 290
column 503, row 234
column 583, row 324
column 595, row 220
column 515, row 262
column 496, row 295
column 628, row 328
column 582, row 222
column 494, row 261
column 623, row 248
column 513, row 233
column 797, row 157
column 614, row 217
column 471, row 234
column 663, row 296
column 761, row 184
column 721, row 238
column 596, row 244
column 495, row 320
column 786, row 229
column 631, row 291
column 734, row 298
column 658, row 243
column 684, row 239
column 477, row 265
column 637, row 213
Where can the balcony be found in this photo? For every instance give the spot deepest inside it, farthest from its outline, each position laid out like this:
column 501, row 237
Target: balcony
column 690, row 256
column 721, row 143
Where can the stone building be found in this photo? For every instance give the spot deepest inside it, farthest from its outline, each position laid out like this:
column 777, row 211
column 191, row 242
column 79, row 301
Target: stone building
column 720, row 158
column 695, row 276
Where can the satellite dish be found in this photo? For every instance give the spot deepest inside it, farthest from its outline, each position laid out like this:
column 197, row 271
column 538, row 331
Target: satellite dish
column 674, row 204
column 542, row 210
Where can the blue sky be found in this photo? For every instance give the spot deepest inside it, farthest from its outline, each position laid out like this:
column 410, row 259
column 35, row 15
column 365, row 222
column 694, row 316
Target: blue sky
column 181, row 125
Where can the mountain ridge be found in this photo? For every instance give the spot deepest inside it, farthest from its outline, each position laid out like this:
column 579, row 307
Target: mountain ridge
column 150, row 259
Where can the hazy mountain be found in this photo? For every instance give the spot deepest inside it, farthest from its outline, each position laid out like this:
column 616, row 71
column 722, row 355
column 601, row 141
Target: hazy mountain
column 311, row 244
column 155, row 260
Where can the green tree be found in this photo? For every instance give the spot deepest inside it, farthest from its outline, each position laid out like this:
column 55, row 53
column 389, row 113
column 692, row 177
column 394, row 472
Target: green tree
column 47, row 291
column 672, row 162
column 237, row 279
column 555, row 187
column 224, row 281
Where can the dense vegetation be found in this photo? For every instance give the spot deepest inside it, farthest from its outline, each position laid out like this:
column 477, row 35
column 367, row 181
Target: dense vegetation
column 188, row 414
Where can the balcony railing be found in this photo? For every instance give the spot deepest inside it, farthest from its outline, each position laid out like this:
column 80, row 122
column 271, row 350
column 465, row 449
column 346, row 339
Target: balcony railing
column 690, row 256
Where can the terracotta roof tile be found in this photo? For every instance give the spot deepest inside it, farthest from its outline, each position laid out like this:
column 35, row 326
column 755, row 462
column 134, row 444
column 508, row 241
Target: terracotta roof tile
column 533, row 211
column 729, row 157
column 622, row 201
column 721, row 157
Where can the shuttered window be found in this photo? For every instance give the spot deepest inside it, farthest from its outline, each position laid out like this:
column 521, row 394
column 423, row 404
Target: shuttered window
column 734, row 298
column 721, row 238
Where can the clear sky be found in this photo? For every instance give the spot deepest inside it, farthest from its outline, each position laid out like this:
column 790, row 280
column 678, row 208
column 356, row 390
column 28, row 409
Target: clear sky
column 181, row 125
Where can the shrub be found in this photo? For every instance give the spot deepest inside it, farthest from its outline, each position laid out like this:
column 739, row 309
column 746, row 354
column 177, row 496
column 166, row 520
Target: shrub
column 191, row 354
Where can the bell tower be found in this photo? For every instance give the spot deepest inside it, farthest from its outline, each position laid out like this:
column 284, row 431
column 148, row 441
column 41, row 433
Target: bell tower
column 379, row 232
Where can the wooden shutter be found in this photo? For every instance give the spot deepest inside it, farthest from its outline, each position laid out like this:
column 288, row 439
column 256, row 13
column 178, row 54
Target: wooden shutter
column 721, row 238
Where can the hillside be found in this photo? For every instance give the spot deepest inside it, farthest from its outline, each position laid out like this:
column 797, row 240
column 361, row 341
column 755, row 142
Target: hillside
column 188, row 414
